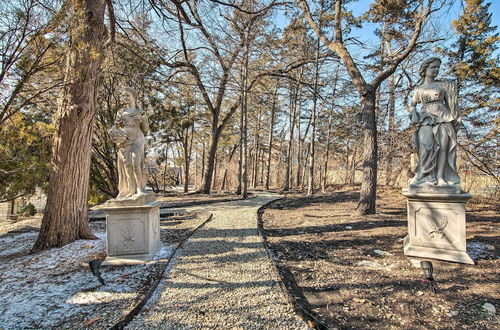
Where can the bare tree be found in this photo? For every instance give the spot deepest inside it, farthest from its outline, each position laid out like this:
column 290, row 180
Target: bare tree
column 367, row 90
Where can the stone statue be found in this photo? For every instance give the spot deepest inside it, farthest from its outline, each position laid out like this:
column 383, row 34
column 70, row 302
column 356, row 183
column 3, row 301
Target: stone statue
column 128, row 134
column 436, row 205
column 133, row 217
column 436, row 124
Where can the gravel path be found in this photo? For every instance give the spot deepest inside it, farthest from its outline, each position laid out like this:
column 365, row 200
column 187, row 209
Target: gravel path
column 222, row 278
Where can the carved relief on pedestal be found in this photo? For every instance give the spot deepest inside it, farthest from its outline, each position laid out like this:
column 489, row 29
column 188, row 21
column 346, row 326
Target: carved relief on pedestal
column 129, row 235
column 437, row 227
column 128, row 238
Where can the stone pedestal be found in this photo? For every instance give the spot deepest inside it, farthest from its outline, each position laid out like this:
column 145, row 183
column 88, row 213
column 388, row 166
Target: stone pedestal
column 132, row 233
column 436, row 226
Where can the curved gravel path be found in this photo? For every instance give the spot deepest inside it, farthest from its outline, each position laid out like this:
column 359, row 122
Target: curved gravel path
column 222, row 278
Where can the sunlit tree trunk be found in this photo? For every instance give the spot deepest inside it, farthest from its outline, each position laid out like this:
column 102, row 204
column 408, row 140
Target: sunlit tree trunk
column 65, row 219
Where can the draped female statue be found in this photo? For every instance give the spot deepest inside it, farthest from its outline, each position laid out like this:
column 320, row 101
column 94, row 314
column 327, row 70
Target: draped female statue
column 436, row 124
column 131, row 124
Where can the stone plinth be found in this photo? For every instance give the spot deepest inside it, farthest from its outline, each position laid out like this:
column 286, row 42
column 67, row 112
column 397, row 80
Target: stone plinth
column 132, row 233
column 436, row 226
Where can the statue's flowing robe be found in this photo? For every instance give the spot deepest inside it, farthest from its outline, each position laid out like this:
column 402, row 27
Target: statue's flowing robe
column 438, row 116
column 132, row 152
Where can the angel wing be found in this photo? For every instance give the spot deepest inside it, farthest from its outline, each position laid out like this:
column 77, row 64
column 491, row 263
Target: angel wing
column 431, row 223
column 442, row 224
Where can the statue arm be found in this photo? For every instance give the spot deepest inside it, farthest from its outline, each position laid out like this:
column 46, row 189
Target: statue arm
column 413, row 108
column 119, row 119
column 144, row 123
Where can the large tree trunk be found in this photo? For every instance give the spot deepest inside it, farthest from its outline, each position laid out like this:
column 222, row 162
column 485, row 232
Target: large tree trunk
column 209, row 166
column 203, row 159
column 368, row 192
column 389, row 176
column 214, row 176
column 240, row 156
column 270, row 141
column 228, row 163
column 327, row 155
column 188, row 146
column 65, row 219
column 294, row 95
column 255, row 167
column 310, row 183
column 307, row 150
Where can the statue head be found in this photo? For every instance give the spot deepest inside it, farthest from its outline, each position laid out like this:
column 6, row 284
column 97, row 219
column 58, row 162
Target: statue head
column 425, row 65
column 129, row 92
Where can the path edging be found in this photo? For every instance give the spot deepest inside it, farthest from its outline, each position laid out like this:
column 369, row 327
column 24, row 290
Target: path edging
column 305, row 312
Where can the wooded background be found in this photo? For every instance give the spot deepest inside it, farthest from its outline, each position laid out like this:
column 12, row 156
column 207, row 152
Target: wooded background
column 241, row 94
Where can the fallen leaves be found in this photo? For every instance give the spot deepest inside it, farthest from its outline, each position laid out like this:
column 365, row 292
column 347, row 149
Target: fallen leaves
column 91, row 321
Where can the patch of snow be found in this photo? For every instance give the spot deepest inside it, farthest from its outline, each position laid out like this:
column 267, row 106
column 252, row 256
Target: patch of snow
column 479, row 250
column 374, row 265
column 382, row 253
column 415, row 263
column 17, row 244
column 46, row 289
column 164, row 252
column 34, row 288
column 82, row 298
column 489, row 308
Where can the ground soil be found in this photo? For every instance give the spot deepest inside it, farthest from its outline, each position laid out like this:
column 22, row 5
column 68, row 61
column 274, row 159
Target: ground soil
column 317, row 243
column 325, row 254
column 75, row 299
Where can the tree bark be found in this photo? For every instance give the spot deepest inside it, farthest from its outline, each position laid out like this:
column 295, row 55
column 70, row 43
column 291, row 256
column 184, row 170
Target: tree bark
column 292, row 118
column 329, row 134
column 255, row 164
column 393, row 83
column 224, row 176
column 310, row 183
column 209, row 166
column 368, row 193
column 65, row 219
column 188, row 144
column 214, row 175
column 203, row 158
column 240, row 154
column 270, row 141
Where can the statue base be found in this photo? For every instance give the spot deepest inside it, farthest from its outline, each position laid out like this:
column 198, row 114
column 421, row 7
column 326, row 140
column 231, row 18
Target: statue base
column 132, row 233
column 436, row 225
column 432, row 188
column 139, row 200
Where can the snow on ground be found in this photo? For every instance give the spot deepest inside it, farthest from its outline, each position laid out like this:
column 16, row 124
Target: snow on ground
column 45, row 289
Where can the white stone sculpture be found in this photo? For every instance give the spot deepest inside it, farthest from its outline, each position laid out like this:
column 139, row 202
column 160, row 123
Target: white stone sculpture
column 128, row 132
column 436, row 205
column 435, row 137
column 133, row 217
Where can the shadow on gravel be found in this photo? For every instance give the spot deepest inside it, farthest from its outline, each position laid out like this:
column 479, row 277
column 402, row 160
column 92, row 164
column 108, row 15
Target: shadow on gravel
column 332, row 228
column 218, row 246
column 18, row 231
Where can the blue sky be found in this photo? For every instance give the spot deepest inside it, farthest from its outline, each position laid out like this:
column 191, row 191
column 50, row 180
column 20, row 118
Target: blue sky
column 365, row 33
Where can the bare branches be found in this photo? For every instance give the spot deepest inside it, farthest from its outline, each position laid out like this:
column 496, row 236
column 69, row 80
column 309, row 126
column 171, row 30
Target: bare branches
column 252, row 12
column 337, row 45
column 112, row 23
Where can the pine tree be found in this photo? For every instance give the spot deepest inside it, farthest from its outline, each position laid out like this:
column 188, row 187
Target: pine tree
column 475, row 64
